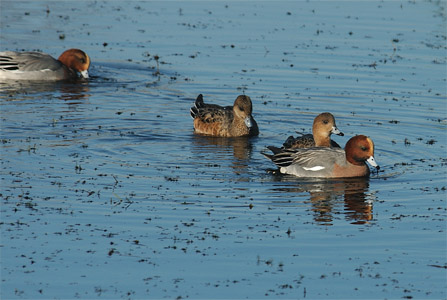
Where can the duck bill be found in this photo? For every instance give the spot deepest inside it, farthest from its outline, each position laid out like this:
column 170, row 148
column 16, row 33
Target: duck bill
column 84, row 74
column 371, row 160
column 336, row 131
column 248, row 122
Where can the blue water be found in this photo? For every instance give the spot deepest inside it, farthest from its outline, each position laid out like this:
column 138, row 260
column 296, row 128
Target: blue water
column 107, row 193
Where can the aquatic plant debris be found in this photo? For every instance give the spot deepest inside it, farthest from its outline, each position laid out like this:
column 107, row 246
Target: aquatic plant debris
column 107, row 193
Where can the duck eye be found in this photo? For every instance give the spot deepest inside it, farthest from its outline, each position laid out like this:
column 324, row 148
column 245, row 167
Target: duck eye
column 241, row 108
column 363, row 148
column 325, row 121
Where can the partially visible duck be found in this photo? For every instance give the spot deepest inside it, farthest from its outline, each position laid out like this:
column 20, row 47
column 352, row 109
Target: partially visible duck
column 323, row 126
column 327, row 162
column 41, row 66
column 228, row 121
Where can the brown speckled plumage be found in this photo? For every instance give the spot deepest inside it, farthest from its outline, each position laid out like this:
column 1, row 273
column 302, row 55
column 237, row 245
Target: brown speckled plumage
column 224, row 121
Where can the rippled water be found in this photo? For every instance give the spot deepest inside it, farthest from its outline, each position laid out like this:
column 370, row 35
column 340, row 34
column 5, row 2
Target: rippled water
column 107, row 193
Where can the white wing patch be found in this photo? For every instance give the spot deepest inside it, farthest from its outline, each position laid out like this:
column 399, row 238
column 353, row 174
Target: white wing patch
column 316, row 168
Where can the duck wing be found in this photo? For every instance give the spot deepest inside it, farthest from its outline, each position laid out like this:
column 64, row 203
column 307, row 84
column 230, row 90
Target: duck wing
column 27, row 61
column 211, row 113
column 304, row 141
column 309, row 158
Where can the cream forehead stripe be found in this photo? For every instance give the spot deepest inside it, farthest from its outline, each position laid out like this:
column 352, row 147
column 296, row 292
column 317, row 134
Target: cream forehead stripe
column 370, row 142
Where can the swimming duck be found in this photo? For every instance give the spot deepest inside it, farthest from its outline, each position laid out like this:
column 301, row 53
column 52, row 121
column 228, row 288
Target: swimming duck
column 325, row 162
column 41, row 66
column 228, row 121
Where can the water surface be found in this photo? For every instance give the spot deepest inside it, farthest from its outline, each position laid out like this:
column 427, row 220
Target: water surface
column 107, row 193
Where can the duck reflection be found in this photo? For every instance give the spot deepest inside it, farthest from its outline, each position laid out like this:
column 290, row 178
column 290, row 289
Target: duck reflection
column 240, row 147
column 326, row 194
column 72, row 90
column 358, row 201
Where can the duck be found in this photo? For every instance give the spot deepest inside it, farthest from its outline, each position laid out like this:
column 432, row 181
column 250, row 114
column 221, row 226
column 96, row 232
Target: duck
column 327, row 162
column 224, row 121
column 322, row 128
column 41, row 66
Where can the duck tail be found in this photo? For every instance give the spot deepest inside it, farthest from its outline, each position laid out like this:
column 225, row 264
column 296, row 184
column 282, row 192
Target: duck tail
column 280, row 157
column 7, row 63
column 274, row 149
column 283, row 159
column 197, row 105
column 289, row 142
column 267, row 155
